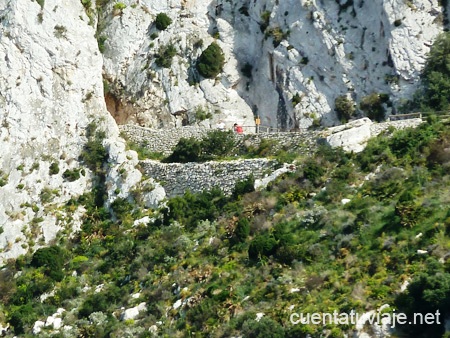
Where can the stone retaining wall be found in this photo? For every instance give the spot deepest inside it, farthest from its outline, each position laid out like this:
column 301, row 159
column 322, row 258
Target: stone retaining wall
column 176, row 178
column 164, row 140
column 161, row 140
column 378, row 128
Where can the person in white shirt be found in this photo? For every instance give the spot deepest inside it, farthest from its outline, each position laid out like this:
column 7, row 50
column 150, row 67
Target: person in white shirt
column 221, row 125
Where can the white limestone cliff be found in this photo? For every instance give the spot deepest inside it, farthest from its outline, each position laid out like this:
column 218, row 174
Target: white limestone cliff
column 50, row 90
column 325, row 49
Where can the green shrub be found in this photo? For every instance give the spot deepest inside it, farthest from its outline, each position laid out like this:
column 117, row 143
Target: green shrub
column 344, row 107
column 201, row 114
column 93, row 303
column 190, row 209
column 101, row 39
column 22, row 316
column 265, row 148
column 244, row 186
column 427, row 293
column 54, row 168
column 211, row 61
column 162, row 21
column 47, row 195
column 283, row 234
column 386, row 185
column 119, row 6
column 52, row 259
column 296, row 99
column 86, row 3
column 71, row 175
column 165, row 56
column 78, row 262
column 94, row 153
column 277, row 35
column 144, row 153
column 242, row 230
column 203, row 313
column 29, row 286
column 186, row 150
column 122, row 208
column 286, row 254
column 266, row 327
column 216, row 144
column 3, row 179
column 372, row 106
column 406, row 147
column 265, row 19
column 60, row 31
column 313, row 171
column 435, row 95
column 198, row 44
column 262, row 245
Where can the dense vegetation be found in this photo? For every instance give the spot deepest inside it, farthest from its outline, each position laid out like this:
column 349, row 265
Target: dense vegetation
column 215, row 145
column 436, row 76
column 435, row 90
column 224, row 259
column 343, row 232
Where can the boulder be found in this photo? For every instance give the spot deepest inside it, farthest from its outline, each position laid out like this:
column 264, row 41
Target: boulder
column 133, row 312
column 352, row 136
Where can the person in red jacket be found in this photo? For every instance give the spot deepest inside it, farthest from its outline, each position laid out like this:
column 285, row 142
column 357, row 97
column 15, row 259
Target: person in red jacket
column 238, row 129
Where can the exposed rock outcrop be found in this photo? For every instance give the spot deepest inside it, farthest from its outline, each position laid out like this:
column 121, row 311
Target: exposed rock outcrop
column 353, row 136
column 312, row 50
column 50, row 90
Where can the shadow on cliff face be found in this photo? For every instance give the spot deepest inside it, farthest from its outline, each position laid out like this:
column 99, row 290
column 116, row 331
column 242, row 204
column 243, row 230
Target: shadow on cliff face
column 122, row 112
column 284, row 121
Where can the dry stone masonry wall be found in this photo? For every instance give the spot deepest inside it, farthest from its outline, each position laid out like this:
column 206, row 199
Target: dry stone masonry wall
column 164, row 140
column 177, row 178
column 160, row 140
column 305, row 141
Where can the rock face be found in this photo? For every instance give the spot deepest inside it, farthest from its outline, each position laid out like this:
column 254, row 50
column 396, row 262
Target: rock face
column 312, row 50
column 50, row 90
column 155, row 96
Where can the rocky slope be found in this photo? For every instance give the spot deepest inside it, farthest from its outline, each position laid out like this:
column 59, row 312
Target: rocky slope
column 315, row 50
column 50, row 90
column 52, row 68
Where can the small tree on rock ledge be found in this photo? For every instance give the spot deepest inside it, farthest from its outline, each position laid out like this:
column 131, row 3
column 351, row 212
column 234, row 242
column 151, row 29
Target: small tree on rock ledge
column 211, row 61
column 162, row 21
